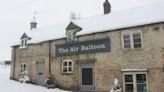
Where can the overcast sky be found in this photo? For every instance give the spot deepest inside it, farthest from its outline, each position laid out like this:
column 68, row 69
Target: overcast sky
column 15, row 15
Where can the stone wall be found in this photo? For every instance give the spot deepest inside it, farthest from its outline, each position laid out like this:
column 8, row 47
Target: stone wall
column 32, row 55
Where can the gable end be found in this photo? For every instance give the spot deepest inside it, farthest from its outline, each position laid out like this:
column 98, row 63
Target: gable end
column 73, row 26
column 25, row 36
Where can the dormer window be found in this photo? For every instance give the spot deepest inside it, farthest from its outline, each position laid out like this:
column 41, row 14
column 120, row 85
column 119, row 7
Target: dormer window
column 23, row 41
column 71, row 36
column 71, row 31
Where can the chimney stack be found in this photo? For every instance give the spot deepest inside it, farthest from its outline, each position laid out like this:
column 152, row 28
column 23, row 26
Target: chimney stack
column 107, row 7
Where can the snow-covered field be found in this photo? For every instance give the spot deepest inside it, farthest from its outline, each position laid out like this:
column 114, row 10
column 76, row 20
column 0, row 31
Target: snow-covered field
column 7, row 85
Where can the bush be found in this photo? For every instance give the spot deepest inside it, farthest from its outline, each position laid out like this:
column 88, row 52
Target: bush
column 50, row 82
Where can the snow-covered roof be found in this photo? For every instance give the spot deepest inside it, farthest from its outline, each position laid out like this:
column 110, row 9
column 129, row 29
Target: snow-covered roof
column 115, row 20
column 47, row 33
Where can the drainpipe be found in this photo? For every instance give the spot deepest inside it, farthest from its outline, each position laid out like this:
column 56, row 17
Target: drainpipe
column 49, row 57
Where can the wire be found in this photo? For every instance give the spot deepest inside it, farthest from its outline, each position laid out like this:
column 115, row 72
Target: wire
column 18, row 7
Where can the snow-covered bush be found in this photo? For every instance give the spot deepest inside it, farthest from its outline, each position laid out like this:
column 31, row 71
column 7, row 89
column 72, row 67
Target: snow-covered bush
column 116, row 87
column 24, row 77
column 50, row 82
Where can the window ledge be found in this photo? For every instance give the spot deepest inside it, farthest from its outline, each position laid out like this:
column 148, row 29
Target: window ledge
column 132, row 48
column 66, row 73
column 133, row 70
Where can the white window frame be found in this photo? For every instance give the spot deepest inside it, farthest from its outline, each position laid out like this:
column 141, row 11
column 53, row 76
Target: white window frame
column 137, row 38
column 67, row 67
column 23, row 43
column 124, row 39
column 134, row 79
column 23, row 69
column 71, row 36
column 130, row 33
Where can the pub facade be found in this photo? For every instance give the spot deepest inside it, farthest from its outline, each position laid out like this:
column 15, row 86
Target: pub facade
column 89, row 57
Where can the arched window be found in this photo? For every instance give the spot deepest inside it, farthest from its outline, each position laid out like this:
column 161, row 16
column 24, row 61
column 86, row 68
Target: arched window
column 67, row 66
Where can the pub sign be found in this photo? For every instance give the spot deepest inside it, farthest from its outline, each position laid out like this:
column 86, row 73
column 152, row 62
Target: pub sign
column 85, row 47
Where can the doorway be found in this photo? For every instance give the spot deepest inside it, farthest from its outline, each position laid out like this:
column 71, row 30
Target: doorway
column 87, row 77
column 40, row 73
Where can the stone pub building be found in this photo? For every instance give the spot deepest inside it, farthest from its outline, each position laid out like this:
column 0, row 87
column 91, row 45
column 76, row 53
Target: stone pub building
column 87, row 54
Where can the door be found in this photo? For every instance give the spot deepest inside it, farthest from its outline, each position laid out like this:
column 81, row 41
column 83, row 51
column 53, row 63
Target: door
column 40, row 73
column 87, row 77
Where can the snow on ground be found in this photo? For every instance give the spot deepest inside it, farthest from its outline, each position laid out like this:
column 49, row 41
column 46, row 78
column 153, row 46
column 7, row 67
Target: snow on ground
column 7, row 85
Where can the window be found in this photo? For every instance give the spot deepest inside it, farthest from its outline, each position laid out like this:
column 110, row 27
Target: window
column 71, row 36
column 135, row 82
column 132, row 40
column 137, row 40
column 67, row 66
column 127, row 41
column 23, row 43
column 23, row 67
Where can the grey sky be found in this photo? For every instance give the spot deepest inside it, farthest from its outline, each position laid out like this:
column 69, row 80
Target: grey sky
column 15, row 15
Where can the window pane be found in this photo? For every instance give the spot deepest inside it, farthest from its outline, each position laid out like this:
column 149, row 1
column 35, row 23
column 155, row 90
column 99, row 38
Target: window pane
column 64, row 69
column 137, row 45
column 141, row 78
column 128, row 78
column 136, row 35
column 73, row 36
column 137, row 40
column 70, row 64
column 126, row 41
column 22, row 42
column 25, row 42
column 64, row 63
column 141, row 82
column 129, row 88
column 141, row 88
column 69, row 69
column 68, row 36
column 24, row 66
column 126, row 36
column 126, row 45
